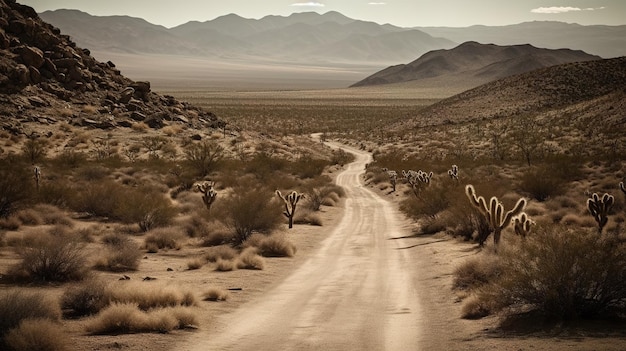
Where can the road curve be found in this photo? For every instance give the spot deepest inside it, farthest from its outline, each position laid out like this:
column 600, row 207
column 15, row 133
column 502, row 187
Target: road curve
column 355, row 293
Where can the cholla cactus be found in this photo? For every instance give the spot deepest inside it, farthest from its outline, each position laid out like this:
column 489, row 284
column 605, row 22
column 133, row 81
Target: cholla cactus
column 599, row 208
column 290, row 201
column 522, row 224
column 37, row 176
column 494, row 212
column 208, row 193
column 622, row 187
column 417, row 180
column 454, row 173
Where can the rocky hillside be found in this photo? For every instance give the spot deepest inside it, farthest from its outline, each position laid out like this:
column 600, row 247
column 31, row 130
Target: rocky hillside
column 594, row 88
column 472, row 61
column 46, row 78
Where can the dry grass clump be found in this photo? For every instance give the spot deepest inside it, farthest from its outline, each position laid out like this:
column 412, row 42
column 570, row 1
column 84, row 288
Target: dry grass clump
column 223, row 252
column 222, row 265
column 275, row 245
column 163, row 238
column 86, row 298
column 250, row 259
column 128, row 318
column 37, row 334
column 306, row 216
column 17, row 305
column 196, row 263
column 476, row 272
column 150, row 295
column 121, row 254
column 214, row 294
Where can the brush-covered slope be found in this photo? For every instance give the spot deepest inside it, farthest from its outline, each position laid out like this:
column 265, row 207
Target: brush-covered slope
column 475, row 62
column 581, row 86
column 45, row 77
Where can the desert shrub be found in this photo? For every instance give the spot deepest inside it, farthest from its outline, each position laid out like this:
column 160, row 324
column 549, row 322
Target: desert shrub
column 86, row 298
column 214, row 294
column 542, row 183
column 121, row 254
column 34, row 150
column 128, row 318
column 143, row 205
column 148, row 295
column 50, row 258
column 16, row 186
column 250, row 259
column 477, row 272
column 474, row 308
column 225, row 265
column 196, row 263
column 37, row 334
column 467, row 221
column 10, row 223
column 204, row 157
column 93, row 173
column 58, row 193
column 340, row 157
column 17, row 305
column 562, row 273
column 308, row 167
column 275, row 245
column 306, row 216
column 431, row 201
column 248, row 211
column 223, row 252
column 29, row 217
column 52, row 215
column 317, row 197
column 163, row 238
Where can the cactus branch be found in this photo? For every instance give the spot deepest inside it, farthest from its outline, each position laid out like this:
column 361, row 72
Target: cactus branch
column 291, row 201
column 208, row 193
column 599, row 207
column 522, row 224
column 622, row 187
column 496, row 216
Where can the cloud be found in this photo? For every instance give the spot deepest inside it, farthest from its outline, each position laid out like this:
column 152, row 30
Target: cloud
column 377, row 3
column 308, row 4
column 562, row 9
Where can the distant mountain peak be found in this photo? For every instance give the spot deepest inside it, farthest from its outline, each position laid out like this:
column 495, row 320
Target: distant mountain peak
column 475, row 61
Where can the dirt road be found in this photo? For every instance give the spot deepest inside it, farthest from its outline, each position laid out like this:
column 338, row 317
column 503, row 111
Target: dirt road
column 355, row 293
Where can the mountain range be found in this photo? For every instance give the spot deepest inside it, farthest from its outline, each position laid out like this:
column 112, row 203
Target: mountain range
column 310, row 37
column 475, row 62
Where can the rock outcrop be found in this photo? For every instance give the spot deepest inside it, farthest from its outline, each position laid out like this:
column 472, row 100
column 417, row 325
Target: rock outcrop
column 43, row 71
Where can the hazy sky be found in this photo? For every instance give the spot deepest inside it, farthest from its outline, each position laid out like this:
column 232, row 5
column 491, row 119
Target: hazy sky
column 404, row 13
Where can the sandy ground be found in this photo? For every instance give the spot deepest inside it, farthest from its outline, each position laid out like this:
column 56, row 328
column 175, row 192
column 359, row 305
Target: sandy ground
column 364, row 280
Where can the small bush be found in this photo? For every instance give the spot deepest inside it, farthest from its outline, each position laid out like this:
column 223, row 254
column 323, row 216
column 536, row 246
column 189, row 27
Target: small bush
column 477, row 272
column 305, row 216
column 164, row 238
column 148, row 295
column 223, row 252
column 216, row 295
column 574, row 273
column 122, row 318
column 250, row 259
column 225, row 265
column 542, row 184
column 37, row 334
column 272, row 246
column 250, row 210
column 16, row 186
column 196, row 263
column 86, row 298
column 121, row 254
column 17, row 305
column 50, row 258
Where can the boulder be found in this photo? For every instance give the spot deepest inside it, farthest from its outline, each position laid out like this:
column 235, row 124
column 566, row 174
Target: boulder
column 30, row 56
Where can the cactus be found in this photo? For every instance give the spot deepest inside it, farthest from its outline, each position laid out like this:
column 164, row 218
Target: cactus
column 622, row 187
column 497, row 218
column 599, row 208
column 37, row 175
column 208, row 193
column 454, row 173
column 290, row 201
column 418, row 180
column 522, row 224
